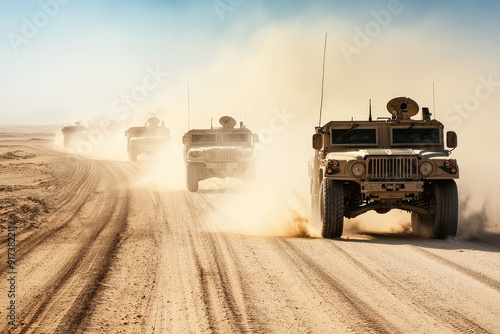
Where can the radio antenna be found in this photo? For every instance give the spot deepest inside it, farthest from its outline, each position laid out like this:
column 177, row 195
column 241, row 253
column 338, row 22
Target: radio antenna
column 189, row 108
column 322, row 82
column 434, row 100
column 370, row 109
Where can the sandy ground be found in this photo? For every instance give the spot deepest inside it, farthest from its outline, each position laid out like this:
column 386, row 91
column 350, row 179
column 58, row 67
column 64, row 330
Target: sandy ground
column 97, row 251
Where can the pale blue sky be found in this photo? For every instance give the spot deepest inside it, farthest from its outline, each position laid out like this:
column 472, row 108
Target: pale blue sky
column 90, row 52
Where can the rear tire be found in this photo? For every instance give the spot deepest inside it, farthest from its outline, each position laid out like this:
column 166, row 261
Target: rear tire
column 192, row 177
column 331, row 209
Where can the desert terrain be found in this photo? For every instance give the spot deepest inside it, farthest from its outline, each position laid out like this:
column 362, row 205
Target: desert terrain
column 100, row 248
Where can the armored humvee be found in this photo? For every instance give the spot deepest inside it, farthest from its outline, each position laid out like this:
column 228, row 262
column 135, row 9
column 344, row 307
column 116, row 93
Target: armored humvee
column 392, row 163
column 147, row 139
column 220, row 152
column 73, row 134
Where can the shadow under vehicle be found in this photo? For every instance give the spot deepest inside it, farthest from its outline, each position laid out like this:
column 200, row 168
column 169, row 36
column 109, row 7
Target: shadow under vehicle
column 392, row 163
column 219, row 152
column 73, row 134
column 147, row 139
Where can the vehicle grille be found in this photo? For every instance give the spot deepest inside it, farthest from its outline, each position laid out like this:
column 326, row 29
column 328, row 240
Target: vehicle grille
column 222, row 156
column 395, row 168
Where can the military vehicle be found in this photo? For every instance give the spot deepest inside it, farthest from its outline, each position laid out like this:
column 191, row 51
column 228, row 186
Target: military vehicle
column 392, row 163
column 219, row 152
column 73, row 134
column 147, row 139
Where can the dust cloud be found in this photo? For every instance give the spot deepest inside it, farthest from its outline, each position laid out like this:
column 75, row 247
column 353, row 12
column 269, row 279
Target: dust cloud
column 268, row 206
column 394, row 222
column 273, row 82
column 477, row 224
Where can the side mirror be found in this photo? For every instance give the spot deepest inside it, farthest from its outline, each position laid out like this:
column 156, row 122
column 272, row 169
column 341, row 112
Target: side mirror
column 451, row 139
column 126, row 133
column 317, row 141
column 184, row 139
column 255, row 139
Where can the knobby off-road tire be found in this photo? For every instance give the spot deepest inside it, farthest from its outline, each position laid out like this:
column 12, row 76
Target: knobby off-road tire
column 192, row 177
column 132, row 154
column 445, row 221
column 331, row 203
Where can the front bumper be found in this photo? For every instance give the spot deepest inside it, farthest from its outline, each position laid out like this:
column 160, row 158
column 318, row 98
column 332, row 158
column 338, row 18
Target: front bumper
column 392, row 189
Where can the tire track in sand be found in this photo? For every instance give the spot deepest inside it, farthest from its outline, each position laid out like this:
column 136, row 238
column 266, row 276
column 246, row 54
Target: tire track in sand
column 44, row 311
column 492, row 283
column 447, row 317
column 79, row 193
column 361, row 316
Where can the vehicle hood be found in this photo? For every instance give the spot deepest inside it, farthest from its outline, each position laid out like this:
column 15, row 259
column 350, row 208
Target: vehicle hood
column 362, row 154
column 205, row 148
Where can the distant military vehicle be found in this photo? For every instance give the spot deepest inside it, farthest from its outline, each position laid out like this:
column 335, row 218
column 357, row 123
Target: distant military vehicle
column 393, row 163
column 147, row 139
column 73, row 134
column 219, row 152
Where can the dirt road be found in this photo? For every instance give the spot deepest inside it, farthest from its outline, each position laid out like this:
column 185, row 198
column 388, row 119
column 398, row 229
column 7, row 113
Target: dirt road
column 114, row 255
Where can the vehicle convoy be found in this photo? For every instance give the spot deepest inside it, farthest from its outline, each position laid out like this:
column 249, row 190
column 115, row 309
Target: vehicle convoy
column 147, row 139
column 73, row 134
column 219, row 152
column 392, row 163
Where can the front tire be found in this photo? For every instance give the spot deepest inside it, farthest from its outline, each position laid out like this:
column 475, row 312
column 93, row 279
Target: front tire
column 331, row 205
column 445, row 221
column 132, row 154
column 192, row 177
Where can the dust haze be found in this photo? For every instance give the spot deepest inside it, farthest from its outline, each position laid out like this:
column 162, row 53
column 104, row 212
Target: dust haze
column 273, row 83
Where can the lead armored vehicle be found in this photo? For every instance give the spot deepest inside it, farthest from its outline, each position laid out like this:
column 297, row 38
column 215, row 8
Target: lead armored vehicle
column 147, row 139
column 219, row 152
column 395, row 162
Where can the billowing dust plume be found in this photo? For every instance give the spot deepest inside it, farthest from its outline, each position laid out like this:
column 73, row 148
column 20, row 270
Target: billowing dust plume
column 273, row 81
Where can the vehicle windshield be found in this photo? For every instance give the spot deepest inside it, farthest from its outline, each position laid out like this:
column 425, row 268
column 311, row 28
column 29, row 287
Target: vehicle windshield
column 236, row 138
column 354, row 136
column 408, row 136
column 204, row 138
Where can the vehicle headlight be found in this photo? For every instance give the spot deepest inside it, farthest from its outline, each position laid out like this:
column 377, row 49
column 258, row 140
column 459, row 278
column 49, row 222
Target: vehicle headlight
column 194, row 154
column 425, row 168
column 358, row 169
column 207, row 155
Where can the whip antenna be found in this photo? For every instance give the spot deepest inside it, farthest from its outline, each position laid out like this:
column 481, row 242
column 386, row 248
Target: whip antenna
column 189, row 109
column 370, row 116
column 322, row 83
column 434, row 100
